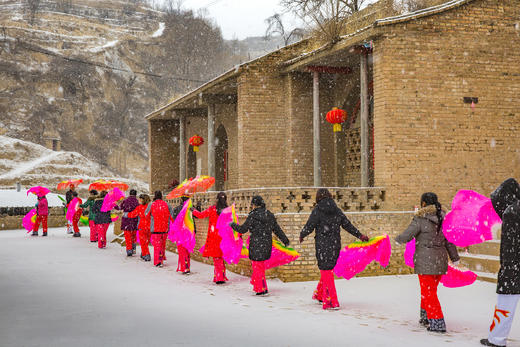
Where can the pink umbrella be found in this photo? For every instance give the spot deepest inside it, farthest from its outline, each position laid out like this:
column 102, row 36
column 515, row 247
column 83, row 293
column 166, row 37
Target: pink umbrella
column 38, row 191
column 454, row 278
column 354, row 258
column 29, row 220
column 470, row 220
column 111, row 199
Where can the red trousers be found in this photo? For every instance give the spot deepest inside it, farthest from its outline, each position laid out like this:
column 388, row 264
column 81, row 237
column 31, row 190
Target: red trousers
column 130, row 239
column 102, row 234
column 93, row 231
column 184, row 259
column 43, row 221
column 258, row 276
column 75, row 220
column 219, row 273
column 429, row 300
column 159, row 248
column 326, row 290
column 144, row 240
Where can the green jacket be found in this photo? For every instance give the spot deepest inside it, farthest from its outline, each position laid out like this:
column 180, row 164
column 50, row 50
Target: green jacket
column 89, row 203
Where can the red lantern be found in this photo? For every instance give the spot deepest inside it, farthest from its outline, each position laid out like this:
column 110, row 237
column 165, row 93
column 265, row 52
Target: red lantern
column 336, row 117
column 196, row 141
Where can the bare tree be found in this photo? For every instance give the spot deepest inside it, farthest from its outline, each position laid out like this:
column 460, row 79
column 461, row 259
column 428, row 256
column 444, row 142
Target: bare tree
column 328, row 16
column 32, row 6
column 415, row 5
column 275, row 27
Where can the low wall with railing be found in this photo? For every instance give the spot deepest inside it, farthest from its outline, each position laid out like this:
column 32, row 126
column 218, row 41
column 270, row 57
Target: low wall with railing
column 292, row 207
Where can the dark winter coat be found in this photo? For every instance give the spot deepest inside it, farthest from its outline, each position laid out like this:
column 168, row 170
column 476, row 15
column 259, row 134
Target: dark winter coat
column 100, row 217
column 431, row 247
column 508, row 194
column 90, row 204
column 326, row 219
column 128, row 205
column 261, row 223
column 69, row 196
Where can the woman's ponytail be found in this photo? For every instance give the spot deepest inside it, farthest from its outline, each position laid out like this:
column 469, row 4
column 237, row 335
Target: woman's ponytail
column 432, row 199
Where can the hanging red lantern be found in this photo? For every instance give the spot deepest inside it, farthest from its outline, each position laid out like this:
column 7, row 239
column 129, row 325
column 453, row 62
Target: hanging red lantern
column 336, row 117
column 196, row 141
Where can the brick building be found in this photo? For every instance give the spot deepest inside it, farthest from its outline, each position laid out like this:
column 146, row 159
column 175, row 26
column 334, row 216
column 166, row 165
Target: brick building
column 432, row 99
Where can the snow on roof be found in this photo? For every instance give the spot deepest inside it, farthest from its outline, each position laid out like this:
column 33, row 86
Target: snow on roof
column 421, row 13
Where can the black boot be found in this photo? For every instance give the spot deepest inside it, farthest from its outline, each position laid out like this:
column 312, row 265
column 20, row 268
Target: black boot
column 133, row 248
column 129, row 253
column 486, row 342
column 423, row 320
column 76, row 235
column 44, row 233
column 35, row 233
column 147, row 257
column 437, row 325
column 220, row 282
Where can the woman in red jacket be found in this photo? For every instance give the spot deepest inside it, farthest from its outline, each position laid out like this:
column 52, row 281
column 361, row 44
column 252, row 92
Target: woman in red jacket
column 212, row 246
column 143, row 226
column 161, row 214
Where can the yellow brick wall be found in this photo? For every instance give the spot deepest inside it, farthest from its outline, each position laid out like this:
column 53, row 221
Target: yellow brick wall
column 427, row 139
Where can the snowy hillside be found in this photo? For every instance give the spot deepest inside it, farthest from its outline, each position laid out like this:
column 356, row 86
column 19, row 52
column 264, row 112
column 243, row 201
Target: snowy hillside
column 30, row 164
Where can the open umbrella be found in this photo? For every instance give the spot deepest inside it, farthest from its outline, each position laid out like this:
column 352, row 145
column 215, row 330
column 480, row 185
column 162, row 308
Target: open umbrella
column 38, row 191
column 107, row 185
column 66, row 184
column 199, row 184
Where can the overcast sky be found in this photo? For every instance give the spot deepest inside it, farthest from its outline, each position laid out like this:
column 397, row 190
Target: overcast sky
column 240, row 18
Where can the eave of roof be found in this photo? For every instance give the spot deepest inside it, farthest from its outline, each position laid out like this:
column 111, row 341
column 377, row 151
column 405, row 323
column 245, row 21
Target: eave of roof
column 347, row 40
column 214, row 82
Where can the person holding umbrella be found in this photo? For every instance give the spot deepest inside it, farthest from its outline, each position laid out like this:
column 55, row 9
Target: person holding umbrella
column 42, row 212
column 261, row 223
column 129, row 225
column 326, row 219
column 102, row 220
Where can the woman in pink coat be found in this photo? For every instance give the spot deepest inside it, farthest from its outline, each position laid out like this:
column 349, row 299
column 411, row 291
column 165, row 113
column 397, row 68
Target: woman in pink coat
column 42, row 212
column 212, row 246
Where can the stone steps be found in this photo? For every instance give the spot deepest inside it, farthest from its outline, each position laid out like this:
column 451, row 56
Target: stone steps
column 485, row 264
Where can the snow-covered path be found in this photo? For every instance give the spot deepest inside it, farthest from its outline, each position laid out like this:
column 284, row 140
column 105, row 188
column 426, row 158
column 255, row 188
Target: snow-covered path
column 61, row 291
column 29, row 165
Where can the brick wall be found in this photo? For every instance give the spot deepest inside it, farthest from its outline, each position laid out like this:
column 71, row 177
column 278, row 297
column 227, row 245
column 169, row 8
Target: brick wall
column 164, row 153
column 427, row 139
column 292, row 208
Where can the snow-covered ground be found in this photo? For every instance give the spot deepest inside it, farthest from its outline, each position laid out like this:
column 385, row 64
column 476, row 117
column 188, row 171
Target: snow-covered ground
column 12, row 198
column 62, row 291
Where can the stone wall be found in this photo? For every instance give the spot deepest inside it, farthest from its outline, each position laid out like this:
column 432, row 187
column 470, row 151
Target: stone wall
column 426, row 137
column 11, row 218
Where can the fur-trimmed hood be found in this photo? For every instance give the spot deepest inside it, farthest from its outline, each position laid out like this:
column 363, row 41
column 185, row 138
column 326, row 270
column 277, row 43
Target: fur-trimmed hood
column 430, row 212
